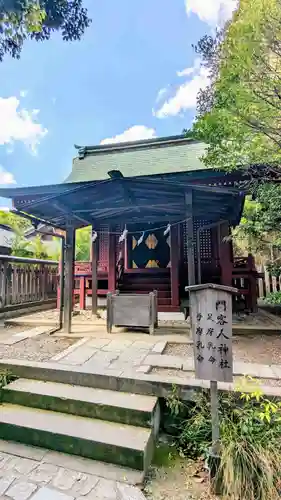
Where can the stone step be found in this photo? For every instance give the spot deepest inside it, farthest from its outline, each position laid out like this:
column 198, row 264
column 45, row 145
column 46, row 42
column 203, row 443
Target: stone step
column 82, row 465
column 114, row 406
column 120, row 444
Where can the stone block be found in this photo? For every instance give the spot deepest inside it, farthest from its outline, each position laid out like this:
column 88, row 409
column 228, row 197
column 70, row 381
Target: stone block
column 105, row 490
column 142, row 344
column 5, row 482
column 69, row 350
column 22, row 450
column 65, row 479
column 159, row 347
column 50, row 494
column 98, row 343
column 117, row 345
column 44, row 473
column 164, row 361
column 21, row 490
column 188, row 365
column 93, row 468
column 79, row 355
column 130, row 492
column 143, row 369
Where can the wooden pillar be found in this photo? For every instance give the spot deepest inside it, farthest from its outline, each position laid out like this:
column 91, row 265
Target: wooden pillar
column 253, row 299
column 112, row 263
column 225, row 252
column 95, row 259
column 190, row 237
column 174, row 252
column 69, row 277
column 82, row 293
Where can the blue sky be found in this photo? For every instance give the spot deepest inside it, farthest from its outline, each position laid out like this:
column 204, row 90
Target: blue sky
column 134, row 75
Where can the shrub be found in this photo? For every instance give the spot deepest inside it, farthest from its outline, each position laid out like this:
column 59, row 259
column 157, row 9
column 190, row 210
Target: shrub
column 250, row 430
column 273, row 298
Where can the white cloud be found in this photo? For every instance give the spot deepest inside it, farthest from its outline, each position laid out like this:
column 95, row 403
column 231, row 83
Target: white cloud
column 161, row 93
column 18, row 124
column 213, row 12
column 185, row 72
column 185, row 96
column 6, row 177
column 190, row 71
column 135, row 133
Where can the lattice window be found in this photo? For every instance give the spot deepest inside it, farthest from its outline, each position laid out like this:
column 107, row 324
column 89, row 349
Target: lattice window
column 205, row 241
column 103, row 246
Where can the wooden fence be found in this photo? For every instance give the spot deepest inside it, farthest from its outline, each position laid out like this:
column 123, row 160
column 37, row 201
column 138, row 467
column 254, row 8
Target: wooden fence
column 25, row 281
column 267, row 283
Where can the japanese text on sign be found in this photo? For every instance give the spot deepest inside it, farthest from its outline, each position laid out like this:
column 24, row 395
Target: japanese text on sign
column 211, row 318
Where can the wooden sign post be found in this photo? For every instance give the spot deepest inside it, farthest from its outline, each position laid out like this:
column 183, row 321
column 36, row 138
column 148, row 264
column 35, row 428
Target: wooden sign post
column 211, row 323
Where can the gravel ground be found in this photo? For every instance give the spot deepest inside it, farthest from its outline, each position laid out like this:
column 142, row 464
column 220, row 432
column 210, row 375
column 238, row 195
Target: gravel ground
column 177, row 349
column 171, row 372
column 40, row 348
column 264, row 349
column 179, row 481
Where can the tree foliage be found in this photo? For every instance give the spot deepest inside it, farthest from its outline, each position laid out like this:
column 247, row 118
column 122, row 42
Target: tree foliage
column 82, row 244
column 239, row 113
column 37, row 20
column 259, row 229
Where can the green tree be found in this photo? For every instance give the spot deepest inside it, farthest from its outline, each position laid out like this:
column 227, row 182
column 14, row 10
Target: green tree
column 239, row 113
column 18, row 224
column 82, row 247
column 21, row 20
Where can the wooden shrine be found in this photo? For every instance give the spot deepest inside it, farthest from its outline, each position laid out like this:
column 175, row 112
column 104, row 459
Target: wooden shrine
column 160, row 222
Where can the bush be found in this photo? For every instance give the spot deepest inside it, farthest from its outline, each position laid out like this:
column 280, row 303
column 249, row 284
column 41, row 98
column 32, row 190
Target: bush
column 273, row 298
column 250, row 430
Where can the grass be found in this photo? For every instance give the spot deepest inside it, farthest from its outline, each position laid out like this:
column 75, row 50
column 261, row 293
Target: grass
column 250, row 430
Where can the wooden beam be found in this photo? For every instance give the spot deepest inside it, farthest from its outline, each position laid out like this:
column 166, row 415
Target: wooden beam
column 112, row 262
column 175, row 204
column 68, row 211
column 190, row 237
column 95, row 259
column 69, row 277
column 225, row 254
column 174, row 251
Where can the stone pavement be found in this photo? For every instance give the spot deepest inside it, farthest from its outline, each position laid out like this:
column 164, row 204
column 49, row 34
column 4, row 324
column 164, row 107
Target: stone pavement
column 112, row 355
column 129, row 356
column 9, row 337
column 28, row 473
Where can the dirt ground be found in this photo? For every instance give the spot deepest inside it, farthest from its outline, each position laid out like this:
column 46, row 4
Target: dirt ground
column 40, row 348
column 178, row 479
column 264, row 349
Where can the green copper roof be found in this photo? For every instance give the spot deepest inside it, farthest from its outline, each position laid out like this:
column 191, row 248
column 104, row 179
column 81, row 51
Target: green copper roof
column 149, row 157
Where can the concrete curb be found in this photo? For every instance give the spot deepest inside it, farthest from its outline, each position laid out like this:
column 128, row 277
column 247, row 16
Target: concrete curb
column 145, row 383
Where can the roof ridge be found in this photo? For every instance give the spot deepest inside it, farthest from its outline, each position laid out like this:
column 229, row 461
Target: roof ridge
column 172, row 140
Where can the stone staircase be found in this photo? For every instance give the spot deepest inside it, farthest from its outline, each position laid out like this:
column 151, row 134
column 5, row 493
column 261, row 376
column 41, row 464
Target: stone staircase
column 109, row 426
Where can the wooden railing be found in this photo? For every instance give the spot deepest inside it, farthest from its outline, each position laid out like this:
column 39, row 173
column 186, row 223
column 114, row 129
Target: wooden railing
column 25, row 281
column 267, row 283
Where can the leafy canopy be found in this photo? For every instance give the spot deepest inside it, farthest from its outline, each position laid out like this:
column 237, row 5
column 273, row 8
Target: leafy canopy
column 37, row 20
column 239, row 113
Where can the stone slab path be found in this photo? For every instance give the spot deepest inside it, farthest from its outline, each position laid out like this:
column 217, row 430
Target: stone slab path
column 122, row 356
column 114, row 356
column 8, row 337
column 28, row 473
